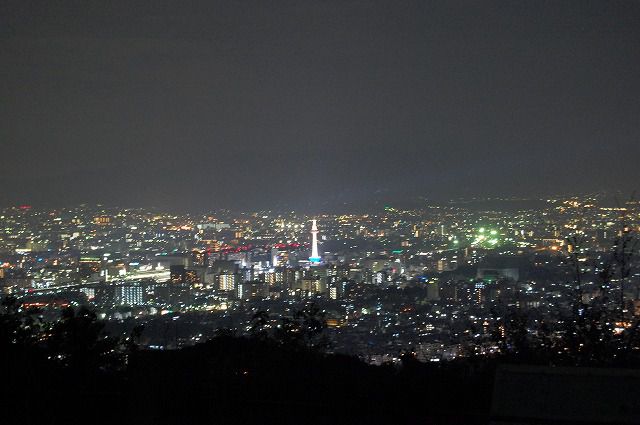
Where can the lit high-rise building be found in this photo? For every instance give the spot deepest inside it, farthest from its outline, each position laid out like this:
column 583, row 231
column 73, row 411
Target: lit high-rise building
column 228, row 281
column 129, row 295
column 315, row 257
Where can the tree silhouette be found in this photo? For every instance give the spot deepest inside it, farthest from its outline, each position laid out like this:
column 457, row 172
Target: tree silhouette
column 259, row 323
column 19, row 327
column 78, row 341
column 303, row 329
column 625, row 247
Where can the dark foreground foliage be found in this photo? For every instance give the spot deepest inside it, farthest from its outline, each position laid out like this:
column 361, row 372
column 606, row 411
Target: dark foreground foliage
column 242, row 380
column 70, row 372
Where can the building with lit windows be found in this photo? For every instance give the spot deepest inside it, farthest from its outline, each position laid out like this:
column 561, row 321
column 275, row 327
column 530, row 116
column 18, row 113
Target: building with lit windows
column 129, row 295
column 252, row 290
column 228, row 281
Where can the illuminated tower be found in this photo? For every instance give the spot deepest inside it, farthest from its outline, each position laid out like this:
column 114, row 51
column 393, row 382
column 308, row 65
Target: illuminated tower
column 315, row 258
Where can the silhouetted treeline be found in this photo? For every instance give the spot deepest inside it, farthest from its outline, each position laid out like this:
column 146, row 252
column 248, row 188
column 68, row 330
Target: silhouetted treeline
column 71, row 372
column 600, row 331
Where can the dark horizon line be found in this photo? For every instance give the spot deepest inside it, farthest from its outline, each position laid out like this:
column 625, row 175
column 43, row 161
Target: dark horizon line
column 409, row 203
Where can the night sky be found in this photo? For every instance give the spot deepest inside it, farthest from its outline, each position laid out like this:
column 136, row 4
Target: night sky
column 310, row 104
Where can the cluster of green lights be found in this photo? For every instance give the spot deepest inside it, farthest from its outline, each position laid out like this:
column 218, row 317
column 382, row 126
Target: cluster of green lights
column 491, row 232
column 486, row 236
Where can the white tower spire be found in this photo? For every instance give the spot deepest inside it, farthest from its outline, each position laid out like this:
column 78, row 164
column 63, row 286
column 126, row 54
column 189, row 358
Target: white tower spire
column 315, row 258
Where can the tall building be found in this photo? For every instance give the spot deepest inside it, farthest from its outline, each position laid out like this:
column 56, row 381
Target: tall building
column 315, row 257
column 252, row 290
column 228, row 281
column 131, row 295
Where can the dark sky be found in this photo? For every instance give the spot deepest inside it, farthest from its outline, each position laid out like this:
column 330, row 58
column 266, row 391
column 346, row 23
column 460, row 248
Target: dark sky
column 308, row 104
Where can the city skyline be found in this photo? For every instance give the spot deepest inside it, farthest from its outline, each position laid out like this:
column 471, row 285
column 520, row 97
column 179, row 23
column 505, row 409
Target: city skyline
column 320, row 212
column 156, row 265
